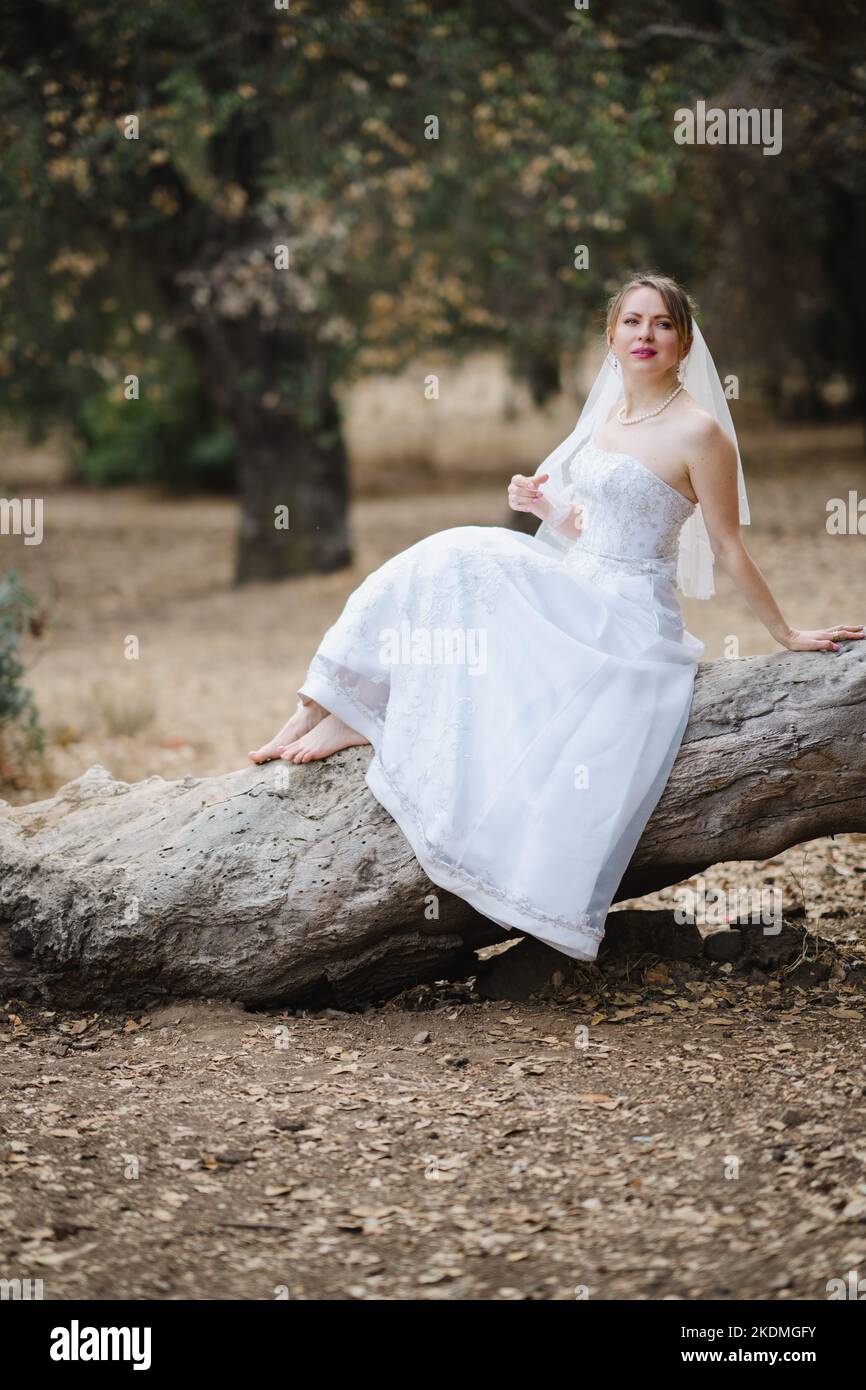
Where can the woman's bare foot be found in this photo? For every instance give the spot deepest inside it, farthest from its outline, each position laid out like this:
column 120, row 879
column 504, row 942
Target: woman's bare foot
column 301, row 722
column 328, row 736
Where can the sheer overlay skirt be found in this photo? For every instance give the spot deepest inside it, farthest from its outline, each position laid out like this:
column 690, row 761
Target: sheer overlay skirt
column 524, row 712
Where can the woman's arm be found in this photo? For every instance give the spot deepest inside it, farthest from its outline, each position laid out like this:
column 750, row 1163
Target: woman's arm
column 714, row 479
column 569, row 525
column 525, row 495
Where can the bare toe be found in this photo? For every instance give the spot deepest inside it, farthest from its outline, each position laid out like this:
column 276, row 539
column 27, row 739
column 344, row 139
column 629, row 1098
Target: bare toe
column 266, row 752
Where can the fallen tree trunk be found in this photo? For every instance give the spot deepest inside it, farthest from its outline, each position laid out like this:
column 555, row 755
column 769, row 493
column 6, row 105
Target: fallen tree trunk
column 291, row 885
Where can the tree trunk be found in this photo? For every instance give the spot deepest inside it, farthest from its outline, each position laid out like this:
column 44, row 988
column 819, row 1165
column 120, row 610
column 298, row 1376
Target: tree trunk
column 842, row 257
column 274, row 388
column 291, row 885
column 294, row 499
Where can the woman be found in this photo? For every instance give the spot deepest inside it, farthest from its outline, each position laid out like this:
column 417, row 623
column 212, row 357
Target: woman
column 526, row 696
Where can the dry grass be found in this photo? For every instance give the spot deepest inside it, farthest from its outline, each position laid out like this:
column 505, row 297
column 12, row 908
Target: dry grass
column 122, row 709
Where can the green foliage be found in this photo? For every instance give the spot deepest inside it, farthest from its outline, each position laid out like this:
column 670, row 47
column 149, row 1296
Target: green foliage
column 20, row 732
column 171, row 436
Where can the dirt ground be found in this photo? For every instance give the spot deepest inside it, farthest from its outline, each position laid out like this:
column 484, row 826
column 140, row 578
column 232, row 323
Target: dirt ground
column 661, row 1131
column 650, row 1129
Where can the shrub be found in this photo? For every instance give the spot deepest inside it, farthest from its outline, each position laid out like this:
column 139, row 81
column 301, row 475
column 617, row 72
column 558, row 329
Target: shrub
column 170, row 436
column 21, row 736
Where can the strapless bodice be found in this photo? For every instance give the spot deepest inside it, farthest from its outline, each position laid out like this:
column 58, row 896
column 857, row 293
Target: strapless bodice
column 631, row 518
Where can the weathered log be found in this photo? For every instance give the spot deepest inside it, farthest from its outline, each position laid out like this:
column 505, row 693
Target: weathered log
column 291, row 885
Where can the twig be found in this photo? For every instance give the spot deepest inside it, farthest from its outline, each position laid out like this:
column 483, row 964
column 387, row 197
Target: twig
column 720, row 40
column 255, row 1225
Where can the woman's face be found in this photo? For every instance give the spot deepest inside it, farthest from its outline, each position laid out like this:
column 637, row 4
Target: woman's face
column 644, row 338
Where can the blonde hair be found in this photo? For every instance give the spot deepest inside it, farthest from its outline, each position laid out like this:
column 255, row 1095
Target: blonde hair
column 677, row 301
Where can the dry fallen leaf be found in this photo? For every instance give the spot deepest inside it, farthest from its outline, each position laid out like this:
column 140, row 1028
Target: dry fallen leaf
column 55, row 1261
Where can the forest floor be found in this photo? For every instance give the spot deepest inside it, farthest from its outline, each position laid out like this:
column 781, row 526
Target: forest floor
column 656, row 1130
column 647, row 1129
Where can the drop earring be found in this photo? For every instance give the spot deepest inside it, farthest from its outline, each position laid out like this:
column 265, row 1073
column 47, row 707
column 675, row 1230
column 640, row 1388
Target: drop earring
column 613, row 360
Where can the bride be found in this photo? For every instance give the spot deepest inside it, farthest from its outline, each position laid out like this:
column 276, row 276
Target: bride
column 526, row 696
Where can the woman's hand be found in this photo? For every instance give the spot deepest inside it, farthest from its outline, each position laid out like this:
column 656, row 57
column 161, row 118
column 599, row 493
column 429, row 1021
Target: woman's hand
column 822, row 638
column 524, row 495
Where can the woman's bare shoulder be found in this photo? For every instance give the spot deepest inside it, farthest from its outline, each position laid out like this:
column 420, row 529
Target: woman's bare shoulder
column 700, row 428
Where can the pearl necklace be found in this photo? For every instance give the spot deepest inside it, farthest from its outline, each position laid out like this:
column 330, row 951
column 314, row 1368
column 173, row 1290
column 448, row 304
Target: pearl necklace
column 637, row 418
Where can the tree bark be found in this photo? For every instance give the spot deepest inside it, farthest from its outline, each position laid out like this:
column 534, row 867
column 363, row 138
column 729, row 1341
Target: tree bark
column 291, row 885
column 283, row 469
column 293, row 480
column 842, row 259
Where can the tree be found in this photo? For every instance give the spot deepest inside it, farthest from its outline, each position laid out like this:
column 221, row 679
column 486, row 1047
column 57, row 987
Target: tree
column 303, row 194
column 282, row 884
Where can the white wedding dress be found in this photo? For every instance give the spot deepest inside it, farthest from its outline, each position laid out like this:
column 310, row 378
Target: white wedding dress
column 525, row 709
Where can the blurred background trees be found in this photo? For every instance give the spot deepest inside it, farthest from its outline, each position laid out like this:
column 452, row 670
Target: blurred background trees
column 214, row 216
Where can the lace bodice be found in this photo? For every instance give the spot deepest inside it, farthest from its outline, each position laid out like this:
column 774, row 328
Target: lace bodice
column 631, row 518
